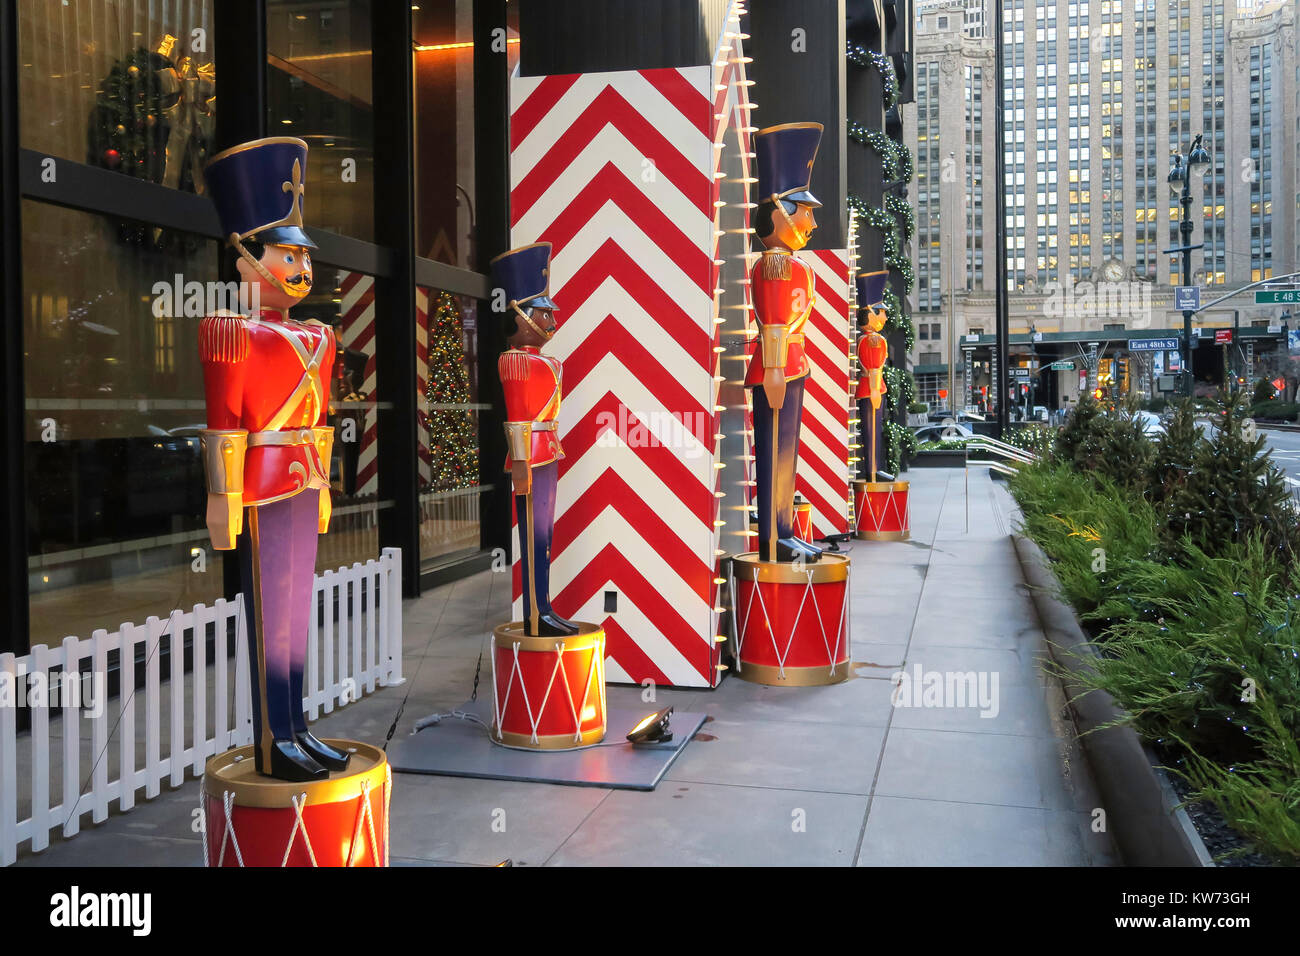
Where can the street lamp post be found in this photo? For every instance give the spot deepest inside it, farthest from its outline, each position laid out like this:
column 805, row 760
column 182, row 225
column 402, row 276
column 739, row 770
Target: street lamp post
column 1180, row 182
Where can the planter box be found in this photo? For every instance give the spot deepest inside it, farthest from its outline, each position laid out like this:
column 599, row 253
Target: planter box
column 1148, row 826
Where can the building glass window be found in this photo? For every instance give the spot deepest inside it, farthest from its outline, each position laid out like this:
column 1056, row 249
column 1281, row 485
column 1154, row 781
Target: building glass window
column 114, row 402
column 318, row 89
column 127, row 86
column 448, row 431
column 444, row 131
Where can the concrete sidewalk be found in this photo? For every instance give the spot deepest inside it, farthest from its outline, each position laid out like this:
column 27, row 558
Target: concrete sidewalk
column 780, row 776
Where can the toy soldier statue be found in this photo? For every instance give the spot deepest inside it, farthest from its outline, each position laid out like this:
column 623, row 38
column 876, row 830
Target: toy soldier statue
column 873, row 350
column 531, row 382
column 266, row 450
column 782, row 288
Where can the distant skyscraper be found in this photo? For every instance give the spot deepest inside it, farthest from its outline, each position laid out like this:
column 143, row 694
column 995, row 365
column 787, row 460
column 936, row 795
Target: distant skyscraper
column 1098, row 96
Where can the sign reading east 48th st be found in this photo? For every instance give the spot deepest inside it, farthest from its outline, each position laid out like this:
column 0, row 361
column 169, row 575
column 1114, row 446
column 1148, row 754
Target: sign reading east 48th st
column 1276, row 296
column 1152, row 345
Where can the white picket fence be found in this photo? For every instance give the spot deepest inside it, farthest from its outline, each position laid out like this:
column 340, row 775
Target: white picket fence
column 355, row 645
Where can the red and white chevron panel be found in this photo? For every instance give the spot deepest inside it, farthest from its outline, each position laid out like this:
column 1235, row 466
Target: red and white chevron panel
column 358, row 334
column 823, row 472
column 616, row 170
column 422, row 436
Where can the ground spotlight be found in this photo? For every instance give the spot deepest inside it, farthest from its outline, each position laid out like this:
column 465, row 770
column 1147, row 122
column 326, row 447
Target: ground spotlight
column 652, row 729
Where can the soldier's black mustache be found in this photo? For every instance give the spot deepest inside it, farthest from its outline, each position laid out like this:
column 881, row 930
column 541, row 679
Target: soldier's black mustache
column 300, row 279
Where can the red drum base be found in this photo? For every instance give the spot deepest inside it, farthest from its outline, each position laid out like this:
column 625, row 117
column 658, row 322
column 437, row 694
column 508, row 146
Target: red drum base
column 883, row 510
column 252, row 820
column 792, row 625
column 549, row 691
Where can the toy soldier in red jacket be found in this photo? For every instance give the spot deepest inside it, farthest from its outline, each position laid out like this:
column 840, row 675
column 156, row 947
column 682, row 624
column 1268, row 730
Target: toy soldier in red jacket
column 531, row 382
column 266, row 450
column 782, row 288
column 873, row 351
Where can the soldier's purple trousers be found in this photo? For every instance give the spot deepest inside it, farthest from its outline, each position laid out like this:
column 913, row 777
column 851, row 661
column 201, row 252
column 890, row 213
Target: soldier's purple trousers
column 277, row 564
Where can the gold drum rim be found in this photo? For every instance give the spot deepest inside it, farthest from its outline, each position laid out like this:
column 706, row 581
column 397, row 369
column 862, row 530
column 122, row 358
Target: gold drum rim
column 876, row 487
column 589, row 637
column 795, row 676
column 827, row 569
column 235, row 772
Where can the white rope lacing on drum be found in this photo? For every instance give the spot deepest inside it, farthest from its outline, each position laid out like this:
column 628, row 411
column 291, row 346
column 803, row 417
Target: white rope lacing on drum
column 365, row 814
column 203, row 819
column 550, row 684
column 744, row 624
column 227, row 802
column 299, row 801
column 502, row 702
column 388, row 796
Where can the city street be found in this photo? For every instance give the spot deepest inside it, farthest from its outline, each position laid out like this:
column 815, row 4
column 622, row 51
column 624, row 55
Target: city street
column 1285, row 448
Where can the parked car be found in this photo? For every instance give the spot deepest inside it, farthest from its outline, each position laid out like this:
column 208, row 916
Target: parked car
column 1151, row 424
column 941, row 432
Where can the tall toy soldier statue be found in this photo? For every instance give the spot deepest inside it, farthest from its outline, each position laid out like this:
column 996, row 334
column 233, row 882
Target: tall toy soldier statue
column 266, row 449
column 531, row 382
column 873, row 351
column 882, row 509
column 782, row 289
column 791, row 598
column 548, row 673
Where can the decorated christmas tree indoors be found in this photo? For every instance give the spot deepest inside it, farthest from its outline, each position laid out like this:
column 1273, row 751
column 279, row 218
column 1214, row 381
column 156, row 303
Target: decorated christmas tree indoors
column 453, row 433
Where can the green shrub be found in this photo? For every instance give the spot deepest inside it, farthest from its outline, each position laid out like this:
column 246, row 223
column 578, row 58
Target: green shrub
column 1283, row 411
column 1264, row 391
column 1175, row 453
column 1232, row 490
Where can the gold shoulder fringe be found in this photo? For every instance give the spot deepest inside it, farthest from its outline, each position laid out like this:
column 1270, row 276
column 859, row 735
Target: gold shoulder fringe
column 776, row 265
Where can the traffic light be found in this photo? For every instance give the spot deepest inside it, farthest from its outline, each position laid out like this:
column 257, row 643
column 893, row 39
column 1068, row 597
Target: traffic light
column 1098, row 393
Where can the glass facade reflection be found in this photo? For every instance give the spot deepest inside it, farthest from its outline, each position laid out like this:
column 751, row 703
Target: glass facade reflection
column 113, row 388
column 318, row 89
column 125, row 85
column 114, row 400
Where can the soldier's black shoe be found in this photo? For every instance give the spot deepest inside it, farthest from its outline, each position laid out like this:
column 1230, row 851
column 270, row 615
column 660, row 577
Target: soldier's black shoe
column 811, row 551
column 331, row 758
column 552, row 625
column 290, row 762
column 789, row 550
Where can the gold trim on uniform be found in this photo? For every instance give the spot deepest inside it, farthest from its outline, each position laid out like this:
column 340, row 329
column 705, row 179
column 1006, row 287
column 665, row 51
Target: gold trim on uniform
column 235, row 771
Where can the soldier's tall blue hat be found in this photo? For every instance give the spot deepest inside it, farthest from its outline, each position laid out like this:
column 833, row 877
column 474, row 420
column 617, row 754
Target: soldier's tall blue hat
column 257, row 188
column 871, row 288
column 785, row 161
column 524, row 275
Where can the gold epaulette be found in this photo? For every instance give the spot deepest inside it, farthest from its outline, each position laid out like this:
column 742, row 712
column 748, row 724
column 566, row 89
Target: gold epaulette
column 776, row 264
column 513, row 366
column 223, row 337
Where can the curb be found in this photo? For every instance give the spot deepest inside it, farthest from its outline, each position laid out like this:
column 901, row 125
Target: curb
column 1148, row 827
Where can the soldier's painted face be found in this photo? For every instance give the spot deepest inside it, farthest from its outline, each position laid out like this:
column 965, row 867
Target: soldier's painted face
column 792, row 229
column 544, row 319
column 874, row 319
column 291, row 268
column 291, row 265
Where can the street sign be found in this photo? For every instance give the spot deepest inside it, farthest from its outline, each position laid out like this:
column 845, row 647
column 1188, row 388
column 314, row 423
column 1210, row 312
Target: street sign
column 1152, row 345
column 1167, row 383
column 1223, row 336
column 1276, row 296
column 1187, row 298
column 1062, row 366
column 1275, row 330
column 1019, row 372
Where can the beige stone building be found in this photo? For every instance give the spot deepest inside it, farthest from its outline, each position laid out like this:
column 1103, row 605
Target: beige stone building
column 1098, row 97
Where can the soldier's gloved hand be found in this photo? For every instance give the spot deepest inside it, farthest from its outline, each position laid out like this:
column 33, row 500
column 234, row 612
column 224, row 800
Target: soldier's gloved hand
column 326, row 509
column 774, row 386
column 225, row 519
column 521, row 474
